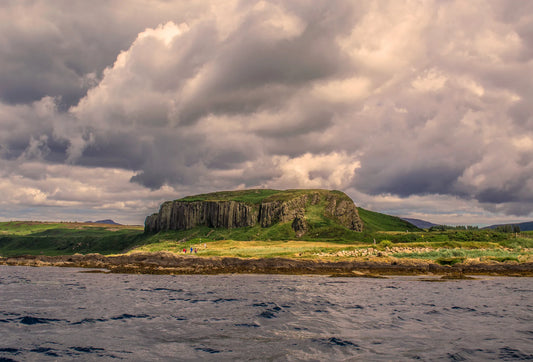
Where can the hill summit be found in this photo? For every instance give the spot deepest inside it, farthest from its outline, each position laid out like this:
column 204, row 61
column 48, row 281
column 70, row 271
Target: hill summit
column 303, row 209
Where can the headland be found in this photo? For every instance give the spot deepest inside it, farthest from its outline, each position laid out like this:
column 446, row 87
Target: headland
column 269, row 231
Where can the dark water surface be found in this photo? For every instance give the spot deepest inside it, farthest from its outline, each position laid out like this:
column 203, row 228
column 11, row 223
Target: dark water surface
column 61, row 313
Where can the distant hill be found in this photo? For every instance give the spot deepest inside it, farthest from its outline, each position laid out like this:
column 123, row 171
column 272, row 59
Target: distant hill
column 422, row 224
column 524, row 226
column 106, row 221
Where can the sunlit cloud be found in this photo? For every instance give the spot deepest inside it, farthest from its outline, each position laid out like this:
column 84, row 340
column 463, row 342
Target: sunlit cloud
column 413, row 108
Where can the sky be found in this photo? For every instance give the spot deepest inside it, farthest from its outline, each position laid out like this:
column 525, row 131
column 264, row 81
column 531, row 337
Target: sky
column 420, row 109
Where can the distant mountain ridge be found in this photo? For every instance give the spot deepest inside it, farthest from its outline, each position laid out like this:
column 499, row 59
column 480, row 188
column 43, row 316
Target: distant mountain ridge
column 106, row 221
column 422, row 224
column 524, row 226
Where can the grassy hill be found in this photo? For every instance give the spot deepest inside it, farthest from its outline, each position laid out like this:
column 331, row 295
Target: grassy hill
column 524, row 226
column 56, row 238
column 257, row 196
column 324, row 236
column 450, row 246
column 262, row 214
column 30, row 237
column 375, row 221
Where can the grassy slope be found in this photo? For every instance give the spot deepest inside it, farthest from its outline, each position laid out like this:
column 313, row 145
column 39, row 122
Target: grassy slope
column 254, row 196
column 324, row 238
column 18, row 238
column 375, row 221
column 448, row 252
column 257, row 196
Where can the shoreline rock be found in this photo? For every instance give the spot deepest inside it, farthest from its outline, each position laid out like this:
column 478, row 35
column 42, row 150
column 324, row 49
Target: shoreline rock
column 169, row 263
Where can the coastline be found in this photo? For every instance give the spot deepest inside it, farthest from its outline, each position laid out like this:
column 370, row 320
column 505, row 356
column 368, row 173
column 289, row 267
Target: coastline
column 169, row 263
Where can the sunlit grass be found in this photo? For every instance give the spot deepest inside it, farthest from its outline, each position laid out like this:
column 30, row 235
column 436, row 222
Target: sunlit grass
column 247, row 249
column 325, row 242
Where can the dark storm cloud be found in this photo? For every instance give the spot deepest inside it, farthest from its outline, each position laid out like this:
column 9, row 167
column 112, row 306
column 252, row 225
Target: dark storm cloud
column 46, row 53
column 255, row 68
column 258, row 68
column 402, row 99
column 427, row 180
column 61, row 49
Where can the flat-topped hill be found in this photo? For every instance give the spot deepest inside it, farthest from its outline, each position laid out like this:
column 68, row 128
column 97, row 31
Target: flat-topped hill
column 303, row 209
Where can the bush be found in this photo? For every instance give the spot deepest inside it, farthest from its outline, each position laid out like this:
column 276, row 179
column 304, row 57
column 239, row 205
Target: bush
column 449, row 261
column 385, row 243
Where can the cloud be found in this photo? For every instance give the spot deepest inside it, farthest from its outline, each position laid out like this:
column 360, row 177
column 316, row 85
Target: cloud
column 96, row 192
column 408, row 100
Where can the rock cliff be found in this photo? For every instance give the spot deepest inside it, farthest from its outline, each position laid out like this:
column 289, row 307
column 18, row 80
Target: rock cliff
column 183, row 215
column 256, row 207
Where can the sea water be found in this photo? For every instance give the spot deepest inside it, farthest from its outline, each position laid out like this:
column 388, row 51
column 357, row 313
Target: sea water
column 66, row 314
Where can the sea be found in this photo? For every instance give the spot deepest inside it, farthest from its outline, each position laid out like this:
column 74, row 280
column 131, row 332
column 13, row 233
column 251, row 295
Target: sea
column 50, row 314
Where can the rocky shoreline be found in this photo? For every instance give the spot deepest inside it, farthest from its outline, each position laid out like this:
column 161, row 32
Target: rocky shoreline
column 169, row 263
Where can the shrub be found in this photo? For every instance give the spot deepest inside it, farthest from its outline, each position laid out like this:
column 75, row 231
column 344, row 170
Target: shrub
column 449, row 261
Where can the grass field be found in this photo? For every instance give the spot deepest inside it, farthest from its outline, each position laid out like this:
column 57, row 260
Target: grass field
column 257, row 196
column 439, row 252
column 445, row 247
column 246, row 249
column 375, row 221
column 27, row 237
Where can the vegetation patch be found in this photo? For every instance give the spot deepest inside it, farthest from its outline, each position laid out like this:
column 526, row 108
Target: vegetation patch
column 34, row 238
column 375, row 221
column 253, row 196
column 324, row 241
column 449, row 261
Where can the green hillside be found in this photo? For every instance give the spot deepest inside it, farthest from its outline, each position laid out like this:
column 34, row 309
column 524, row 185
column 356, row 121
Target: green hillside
column 33, row 238
column 30, row 237
column 375, row 221
column 257, row 196
column 253, row 196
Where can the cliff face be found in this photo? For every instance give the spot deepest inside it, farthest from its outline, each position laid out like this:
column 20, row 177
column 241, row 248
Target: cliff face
column 183, row 215
column 219, row 211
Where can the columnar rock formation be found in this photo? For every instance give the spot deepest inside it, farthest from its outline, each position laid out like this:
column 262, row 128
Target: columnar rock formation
column 183, row 215
column 218, row 210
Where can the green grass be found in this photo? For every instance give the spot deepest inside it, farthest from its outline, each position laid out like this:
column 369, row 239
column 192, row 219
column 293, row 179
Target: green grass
column 375, row 221
column 257, row 196
column 324, row 236
column 451, row 256
column 247, row 249
column 26, row 227
column 254, row 196
column 33, row 238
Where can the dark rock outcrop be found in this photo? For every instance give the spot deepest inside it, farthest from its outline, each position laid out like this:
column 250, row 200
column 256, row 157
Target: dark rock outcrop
column 183, row 215
column 168, row 263
column 217, row 211
column 344, row 211
column 300, row 226
column 271, row 213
